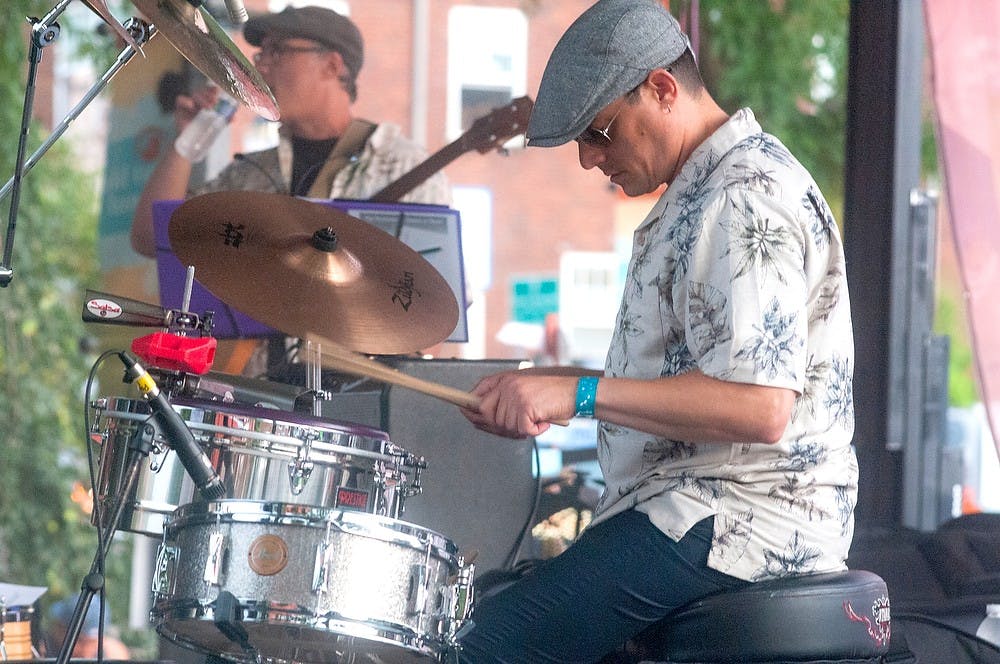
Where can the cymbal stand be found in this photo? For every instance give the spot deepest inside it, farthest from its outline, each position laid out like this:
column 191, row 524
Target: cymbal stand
column 139, row 447
column 44, row 32
column 314, row 377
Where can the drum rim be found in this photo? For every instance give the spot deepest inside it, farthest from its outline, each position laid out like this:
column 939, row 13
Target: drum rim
column 120, row 404
column 169, row 612
column 278, row 446
column 290, row 416
column 386, row 528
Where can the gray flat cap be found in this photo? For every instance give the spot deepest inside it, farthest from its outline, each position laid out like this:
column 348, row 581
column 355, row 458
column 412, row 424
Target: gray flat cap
column 605, row 53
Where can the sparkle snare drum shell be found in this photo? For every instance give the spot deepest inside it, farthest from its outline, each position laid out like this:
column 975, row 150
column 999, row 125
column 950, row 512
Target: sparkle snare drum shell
column 259, row 454
column 311, row 584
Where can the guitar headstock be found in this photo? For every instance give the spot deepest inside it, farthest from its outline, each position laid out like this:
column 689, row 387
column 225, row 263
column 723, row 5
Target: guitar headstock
column 502, row 124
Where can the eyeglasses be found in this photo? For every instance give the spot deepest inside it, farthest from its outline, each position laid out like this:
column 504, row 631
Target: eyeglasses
column 598, row 137
column 279, row 50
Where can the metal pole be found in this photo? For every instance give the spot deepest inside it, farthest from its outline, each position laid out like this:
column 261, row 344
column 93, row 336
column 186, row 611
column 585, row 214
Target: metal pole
column 43, row 35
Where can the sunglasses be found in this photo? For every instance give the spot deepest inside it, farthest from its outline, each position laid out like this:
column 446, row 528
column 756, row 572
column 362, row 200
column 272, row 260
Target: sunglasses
column 598, row 137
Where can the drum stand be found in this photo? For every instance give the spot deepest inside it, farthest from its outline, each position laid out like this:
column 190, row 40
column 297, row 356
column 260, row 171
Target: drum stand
column 44, row 32
column 139, row 448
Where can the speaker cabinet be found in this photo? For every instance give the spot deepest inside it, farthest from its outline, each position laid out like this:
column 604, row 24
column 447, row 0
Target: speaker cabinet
column 478, row 489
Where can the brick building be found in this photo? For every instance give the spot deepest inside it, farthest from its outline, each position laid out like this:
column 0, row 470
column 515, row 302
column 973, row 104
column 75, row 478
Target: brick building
column 522, row 211
column 432, row 67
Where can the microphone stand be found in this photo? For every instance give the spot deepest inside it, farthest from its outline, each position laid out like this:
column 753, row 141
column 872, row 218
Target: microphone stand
column 44, row 32
column 139, row 447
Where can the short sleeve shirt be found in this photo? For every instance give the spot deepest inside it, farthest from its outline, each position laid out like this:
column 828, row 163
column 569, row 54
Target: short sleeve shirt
column 739, row 272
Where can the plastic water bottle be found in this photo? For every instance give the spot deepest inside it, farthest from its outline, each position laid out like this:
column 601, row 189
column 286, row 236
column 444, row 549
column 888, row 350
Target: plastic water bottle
column 197, row 138
column 989, row 629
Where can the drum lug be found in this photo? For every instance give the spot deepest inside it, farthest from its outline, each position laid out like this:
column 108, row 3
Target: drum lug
column 458, row 603
column 165, row 572
column 418, row 589
column 216, row 554
column 299, row 472
column 414, row 488
column 320, row 567
column 461, row 600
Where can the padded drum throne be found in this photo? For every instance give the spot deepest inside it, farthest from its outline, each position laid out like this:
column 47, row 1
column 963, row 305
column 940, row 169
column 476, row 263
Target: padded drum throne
column 840, row 617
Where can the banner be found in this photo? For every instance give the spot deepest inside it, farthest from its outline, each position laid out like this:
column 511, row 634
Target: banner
column 964, row 44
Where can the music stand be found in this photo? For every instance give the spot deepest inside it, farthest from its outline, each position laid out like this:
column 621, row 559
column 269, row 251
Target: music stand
column 433, row 231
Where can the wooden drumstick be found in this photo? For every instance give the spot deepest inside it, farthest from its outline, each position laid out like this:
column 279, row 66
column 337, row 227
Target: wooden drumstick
column 335, row 356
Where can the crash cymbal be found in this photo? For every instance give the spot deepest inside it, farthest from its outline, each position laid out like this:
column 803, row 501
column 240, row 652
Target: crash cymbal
column 202, row 41
column 308, row 269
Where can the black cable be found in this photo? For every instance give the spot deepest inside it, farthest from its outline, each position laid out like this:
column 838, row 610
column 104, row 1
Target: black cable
column 227, row 311
column 512, row 554
column 98, row 521
column 91, row 464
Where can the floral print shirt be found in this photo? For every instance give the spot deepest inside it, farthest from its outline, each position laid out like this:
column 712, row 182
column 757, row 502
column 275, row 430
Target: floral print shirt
column 738, row 271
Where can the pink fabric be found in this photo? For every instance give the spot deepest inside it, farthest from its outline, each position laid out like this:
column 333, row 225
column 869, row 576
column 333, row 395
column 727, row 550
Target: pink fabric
column 964, row 43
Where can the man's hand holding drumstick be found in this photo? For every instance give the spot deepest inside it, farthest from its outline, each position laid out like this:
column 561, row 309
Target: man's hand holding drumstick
column 498, row 404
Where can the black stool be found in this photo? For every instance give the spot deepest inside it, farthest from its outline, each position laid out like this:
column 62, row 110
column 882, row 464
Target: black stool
column 838, row 617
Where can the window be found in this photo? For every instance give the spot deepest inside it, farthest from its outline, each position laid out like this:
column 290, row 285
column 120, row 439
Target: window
column 487, row 62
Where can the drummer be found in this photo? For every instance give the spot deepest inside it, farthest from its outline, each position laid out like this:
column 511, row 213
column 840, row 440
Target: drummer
column 310, row 57
column 725, row 408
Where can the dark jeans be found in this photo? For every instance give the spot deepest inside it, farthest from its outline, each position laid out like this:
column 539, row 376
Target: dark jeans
column 621, row 576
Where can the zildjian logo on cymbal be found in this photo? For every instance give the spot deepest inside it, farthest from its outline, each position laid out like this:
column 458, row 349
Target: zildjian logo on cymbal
column 232, row 234
column 403, row 291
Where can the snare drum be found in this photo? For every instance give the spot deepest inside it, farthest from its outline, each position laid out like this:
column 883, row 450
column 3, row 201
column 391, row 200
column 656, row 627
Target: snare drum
column 310, row 584
column 259, row 454
column 15, row 632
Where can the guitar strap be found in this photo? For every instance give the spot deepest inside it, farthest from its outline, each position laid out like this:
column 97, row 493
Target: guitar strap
column 348, row 147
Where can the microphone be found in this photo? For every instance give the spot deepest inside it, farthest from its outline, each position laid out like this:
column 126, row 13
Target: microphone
column 237, row 11
column 177, row 433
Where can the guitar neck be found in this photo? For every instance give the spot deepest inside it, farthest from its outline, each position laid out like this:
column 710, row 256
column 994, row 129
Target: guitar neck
column 394, row 191
column 486, row 132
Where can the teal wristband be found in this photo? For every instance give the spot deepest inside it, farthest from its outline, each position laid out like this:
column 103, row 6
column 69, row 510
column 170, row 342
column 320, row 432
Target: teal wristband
column 586, row 396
